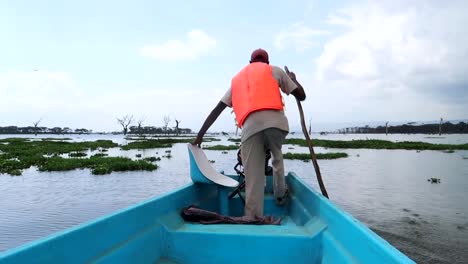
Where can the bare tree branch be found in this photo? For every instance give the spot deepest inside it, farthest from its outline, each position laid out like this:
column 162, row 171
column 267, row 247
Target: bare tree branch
column 125, row 122
column 140, row 124
column 177, row 126
column 35, row 126
column 166, row 121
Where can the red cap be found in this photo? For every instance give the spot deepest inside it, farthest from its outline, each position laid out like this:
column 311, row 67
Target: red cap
column 259, row 52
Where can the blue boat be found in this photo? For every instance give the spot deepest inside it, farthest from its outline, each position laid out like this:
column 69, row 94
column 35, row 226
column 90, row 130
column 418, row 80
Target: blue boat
column 312, row 230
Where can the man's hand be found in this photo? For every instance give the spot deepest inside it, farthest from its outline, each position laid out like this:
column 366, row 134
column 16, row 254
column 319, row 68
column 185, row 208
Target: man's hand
column 197, row 141
column 291, row 75
column 299, row 91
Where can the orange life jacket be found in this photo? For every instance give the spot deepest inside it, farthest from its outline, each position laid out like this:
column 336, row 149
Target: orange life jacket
column 253, row 89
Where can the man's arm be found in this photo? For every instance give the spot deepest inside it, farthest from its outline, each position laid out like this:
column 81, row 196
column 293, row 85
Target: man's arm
column 209, row 121
column 299, row 91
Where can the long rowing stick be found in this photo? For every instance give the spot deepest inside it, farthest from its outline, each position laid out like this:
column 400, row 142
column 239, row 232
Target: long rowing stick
column 309, row 143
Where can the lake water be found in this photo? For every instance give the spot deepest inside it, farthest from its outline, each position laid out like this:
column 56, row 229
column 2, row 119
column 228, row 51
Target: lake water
column 385, row 189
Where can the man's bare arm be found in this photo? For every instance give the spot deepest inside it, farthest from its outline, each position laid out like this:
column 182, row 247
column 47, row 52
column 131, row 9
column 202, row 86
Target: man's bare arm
column 209, row 121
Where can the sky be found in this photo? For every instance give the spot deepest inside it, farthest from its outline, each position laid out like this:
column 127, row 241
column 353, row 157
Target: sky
column 83, row 64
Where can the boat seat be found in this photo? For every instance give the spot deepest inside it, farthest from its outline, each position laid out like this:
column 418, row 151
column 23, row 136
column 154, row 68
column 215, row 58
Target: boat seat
column 201, row 170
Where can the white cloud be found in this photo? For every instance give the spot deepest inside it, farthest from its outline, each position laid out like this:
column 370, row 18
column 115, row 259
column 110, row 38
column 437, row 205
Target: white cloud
column 298, row 36
column 398, row 60
column 196, row 44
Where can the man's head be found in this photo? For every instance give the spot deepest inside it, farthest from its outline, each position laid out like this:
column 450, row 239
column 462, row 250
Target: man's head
column 259, row 55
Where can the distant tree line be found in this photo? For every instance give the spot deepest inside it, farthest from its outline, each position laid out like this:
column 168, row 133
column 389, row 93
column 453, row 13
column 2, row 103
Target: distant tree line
column 139, row 129
column 42, row 130
column 157, row 130
column 411, row 128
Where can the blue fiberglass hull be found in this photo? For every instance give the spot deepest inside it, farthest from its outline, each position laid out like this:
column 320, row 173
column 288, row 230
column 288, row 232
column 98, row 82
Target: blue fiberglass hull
column 314, row 230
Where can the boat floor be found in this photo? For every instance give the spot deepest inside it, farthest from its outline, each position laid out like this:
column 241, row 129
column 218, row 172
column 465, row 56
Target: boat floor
column 231, row 239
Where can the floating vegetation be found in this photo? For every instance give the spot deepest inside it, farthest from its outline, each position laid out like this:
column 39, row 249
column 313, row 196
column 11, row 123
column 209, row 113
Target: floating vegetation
column 168, row 151
column 147, row 144
column 376, row 144
column 152, row 159
column 14, row 140
column 22, row 153
column 222, row 147
column 103, row 150
column 161, row 143
column 52, row 139
column 100, row 155
column 11, row 166
column 77, row 154
column 449, row 151
column 234, row 139
column 433, row 180
column 167, row 156
column 290, row 148
column 98, row 165
column 138, row 155
column 306, row 156
column 225, row 152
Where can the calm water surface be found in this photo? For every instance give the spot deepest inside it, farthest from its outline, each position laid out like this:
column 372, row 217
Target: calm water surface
column 385, row 189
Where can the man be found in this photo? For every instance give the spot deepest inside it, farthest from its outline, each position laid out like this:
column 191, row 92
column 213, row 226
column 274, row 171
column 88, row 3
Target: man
column 256, row 99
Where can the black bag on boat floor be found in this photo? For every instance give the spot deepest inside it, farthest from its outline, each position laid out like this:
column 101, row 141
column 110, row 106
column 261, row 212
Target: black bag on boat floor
column 197, row 215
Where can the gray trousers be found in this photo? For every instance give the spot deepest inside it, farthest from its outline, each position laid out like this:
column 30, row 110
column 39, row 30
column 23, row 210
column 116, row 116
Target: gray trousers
column 253, row 161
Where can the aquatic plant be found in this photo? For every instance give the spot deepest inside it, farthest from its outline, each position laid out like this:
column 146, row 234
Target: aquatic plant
column 167, row 156
column 433, row 180
column 100, row 155
column 98, row 165
column 152, row 159
column 160, row 143
column 52, row 139
column 376, row 144
column 306, row 156
column 11, row 166
column 222, row 147
column 138, row 155
column 77, row 154
column 22, row 153
column 234, row 139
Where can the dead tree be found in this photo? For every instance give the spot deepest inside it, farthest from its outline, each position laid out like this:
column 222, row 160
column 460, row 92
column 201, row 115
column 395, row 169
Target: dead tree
column 177, row 126
column 125, row 122
column 35, row 126
column 440, row 126
column 310, row 126
column 386, row 128
column 166, row 121
column 140, row 125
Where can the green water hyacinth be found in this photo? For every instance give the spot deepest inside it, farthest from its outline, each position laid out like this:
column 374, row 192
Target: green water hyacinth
column 306, row 156
column 222, row 147
column 375, row 144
